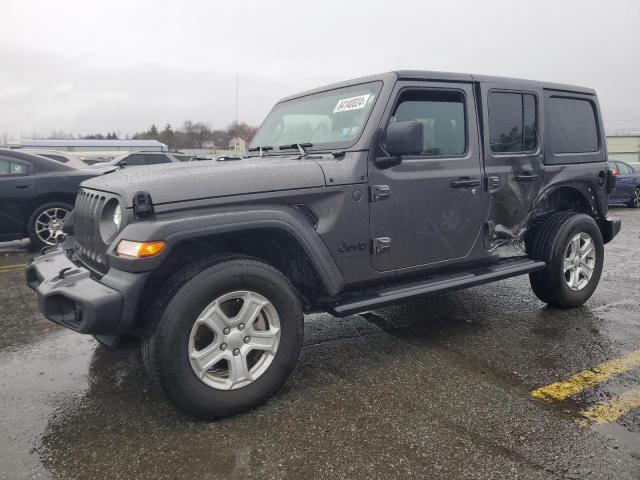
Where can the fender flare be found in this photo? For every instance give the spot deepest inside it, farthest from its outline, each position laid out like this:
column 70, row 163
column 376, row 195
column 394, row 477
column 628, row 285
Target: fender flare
column 582, row 190
column 281, row 217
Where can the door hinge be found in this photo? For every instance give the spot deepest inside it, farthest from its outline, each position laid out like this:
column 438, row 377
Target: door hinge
column 380, row 245
column 379, row 192
column 492, row 182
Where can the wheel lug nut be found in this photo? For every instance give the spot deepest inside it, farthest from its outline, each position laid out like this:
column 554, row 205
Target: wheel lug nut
column 241, row 326
column 223, row 346
column 247, row 339
column 226, row 331
column 236, row 351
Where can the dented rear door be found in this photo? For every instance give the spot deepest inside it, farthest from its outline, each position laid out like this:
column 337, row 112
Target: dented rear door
column 513, row 158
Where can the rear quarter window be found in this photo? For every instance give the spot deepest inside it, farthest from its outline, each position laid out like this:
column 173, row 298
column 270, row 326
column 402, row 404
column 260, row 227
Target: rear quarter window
column 572, row 125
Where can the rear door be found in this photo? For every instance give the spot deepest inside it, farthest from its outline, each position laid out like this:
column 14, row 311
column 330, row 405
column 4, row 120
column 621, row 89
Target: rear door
column 514, row 160
column 428, row 209
column 17, row 188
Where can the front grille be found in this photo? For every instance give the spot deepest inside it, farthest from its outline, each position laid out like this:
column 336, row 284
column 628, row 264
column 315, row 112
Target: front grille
column 86, row 220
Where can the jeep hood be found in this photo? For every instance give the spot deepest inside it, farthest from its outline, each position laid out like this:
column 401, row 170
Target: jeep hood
column 177, row 182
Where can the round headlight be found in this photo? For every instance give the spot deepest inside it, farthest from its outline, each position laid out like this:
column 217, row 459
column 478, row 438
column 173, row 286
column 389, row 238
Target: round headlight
column 117, row 216
column 110, row 220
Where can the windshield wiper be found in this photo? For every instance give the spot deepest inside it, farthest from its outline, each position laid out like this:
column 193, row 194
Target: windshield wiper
column 262, row 150
column 300, row 146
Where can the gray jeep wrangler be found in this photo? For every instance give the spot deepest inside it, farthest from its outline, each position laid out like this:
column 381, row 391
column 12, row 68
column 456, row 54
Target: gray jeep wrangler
column 350, row 197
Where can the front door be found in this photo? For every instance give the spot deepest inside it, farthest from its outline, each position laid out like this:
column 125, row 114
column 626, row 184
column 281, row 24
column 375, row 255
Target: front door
column 514, row 159
column 428, row 209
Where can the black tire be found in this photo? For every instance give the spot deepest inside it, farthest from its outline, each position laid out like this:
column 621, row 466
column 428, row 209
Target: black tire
column 550, row 244
column 36, row 242
column 634, row 202
column 165, row 351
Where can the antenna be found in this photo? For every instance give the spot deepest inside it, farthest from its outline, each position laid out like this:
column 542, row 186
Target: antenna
column 237, row 94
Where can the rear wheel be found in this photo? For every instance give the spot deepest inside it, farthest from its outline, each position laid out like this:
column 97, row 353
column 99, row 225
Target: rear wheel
column 572, row 247
column 45, row 224
column 635, row 199
column 227, row 339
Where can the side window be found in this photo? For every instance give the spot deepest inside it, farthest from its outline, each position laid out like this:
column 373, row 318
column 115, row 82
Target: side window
column 572, row 125
column 8, row 167
column 135, row 159
column 19, row 168
column 442, row 114
column 512, row 122
column 153, row 159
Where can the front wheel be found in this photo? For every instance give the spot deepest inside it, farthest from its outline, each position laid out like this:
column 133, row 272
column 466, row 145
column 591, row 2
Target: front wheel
column 571, row 246
column 227, row 339
column 635, row 199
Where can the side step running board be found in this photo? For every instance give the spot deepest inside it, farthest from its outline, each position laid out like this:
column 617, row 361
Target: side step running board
column 374, row 298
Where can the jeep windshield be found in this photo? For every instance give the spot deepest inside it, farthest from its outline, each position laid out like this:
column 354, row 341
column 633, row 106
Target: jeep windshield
column 326, row 120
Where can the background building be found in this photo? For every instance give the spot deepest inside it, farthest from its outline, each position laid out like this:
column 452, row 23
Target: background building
column 625, row 148
column 92, row 145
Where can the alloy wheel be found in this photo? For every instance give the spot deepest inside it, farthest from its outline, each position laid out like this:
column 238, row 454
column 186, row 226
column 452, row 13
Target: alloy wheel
column 234, row 340
column 579, row 261
column 49, row 224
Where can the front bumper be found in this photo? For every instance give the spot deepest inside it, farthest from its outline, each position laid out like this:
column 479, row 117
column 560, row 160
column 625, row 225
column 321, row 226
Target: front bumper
column 68, row 294
column 610, row 227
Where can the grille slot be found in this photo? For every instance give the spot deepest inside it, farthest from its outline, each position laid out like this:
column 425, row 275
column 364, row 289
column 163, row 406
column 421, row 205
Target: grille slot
column 89, row 245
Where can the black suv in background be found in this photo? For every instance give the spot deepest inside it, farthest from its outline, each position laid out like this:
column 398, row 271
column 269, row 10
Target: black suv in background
column 138, row 159
column 353, row 196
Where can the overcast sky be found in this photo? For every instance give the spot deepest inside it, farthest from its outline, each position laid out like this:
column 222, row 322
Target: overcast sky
column 89, row 66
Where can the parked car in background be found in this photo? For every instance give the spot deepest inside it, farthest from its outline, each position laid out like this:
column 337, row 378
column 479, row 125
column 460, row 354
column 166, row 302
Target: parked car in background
column 58, row 156
column 36, row 196
column 627, row 184
column 183, row 157
column 138, row 159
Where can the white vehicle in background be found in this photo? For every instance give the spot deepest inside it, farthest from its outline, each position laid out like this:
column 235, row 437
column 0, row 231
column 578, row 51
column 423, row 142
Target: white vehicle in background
column 57, row 155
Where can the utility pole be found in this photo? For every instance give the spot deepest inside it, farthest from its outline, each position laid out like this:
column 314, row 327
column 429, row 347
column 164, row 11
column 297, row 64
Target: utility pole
column 237, row 94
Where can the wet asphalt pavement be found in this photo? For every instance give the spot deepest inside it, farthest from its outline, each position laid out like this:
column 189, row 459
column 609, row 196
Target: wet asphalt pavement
column 437, row 388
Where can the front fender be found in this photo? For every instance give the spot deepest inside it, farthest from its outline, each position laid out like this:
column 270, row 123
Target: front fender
column 188, row 227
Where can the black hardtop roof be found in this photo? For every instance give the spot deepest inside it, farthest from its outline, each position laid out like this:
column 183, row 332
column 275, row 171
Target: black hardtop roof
column 442, row 77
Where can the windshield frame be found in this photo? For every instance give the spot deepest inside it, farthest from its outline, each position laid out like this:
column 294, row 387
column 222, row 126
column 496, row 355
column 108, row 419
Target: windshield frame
column 377, row 89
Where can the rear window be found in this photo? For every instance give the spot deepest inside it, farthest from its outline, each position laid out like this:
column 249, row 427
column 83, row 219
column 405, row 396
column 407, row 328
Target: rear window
column 154, row 159
column 572, row 126
column 624, row 169
column 135, row 159
column 512, row 122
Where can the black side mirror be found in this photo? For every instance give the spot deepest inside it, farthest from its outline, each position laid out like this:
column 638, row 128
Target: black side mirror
column 122, row 164
column 402, row 138
column 405, row 138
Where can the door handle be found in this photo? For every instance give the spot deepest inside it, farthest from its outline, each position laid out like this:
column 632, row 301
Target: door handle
column 22, row 186
column 465, row 182
column 526, row 177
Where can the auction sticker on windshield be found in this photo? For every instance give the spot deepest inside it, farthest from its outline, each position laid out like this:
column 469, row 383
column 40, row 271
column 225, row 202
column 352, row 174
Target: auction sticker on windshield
column 352, row 103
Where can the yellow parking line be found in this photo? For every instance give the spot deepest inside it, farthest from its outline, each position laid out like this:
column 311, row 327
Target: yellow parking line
column 588, row 378
column 12, row 268
column 612, row 410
